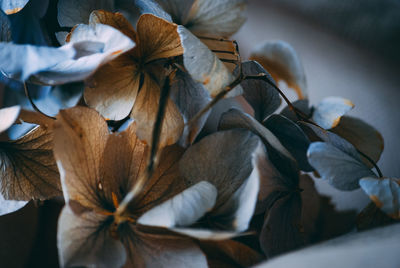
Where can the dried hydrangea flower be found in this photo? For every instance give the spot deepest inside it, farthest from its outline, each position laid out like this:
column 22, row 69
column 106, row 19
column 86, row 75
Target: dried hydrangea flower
column 98, row 169
column 136, row 77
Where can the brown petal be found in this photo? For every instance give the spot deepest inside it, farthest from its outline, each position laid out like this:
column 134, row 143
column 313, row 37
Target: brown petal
column 80, row 136
column 29, row 169
column 149, row 249
column 158, row 38
column 124, row 159
column 230, row 253
column 165, row 182
column 85, row 240
column 112, row 90
column 363, row 136
column 281, row 61
column 116, row 20
column 282, row 230
column 145, row 111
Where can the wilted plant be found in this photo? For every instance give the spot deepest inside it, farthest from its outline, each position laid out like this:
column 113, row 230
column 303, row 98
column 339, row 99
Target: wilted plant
column 144, row 184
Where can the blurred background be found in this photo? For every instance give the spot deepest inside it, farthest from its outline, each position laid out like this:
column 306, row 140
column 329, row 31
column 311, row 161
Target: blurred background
column 349, row 48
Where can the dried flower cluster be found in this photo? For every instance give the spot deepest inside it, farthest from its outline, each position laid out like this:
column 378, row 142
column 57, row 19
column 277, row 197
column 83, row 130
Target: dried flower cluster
column 144, row 183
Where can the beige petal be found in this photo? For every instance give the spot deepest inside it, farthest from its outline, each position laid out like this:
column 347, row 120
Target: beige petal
column 282, row 62
column 116, row 20
column 158, row 38
column 363, row 136
column 28, row 167
column 218, row 17
column 85, row 240
column 8, row 117
column 72, row 12
column 124, row 159
column 80, row 136
column 145, row 110
column 112, row 90
column 164, row 251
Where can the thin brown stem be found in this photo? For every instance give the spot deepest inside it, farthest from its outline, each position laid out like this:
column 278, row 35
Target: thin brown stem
column 154, row 149
column 372, row 162
column 33, row 104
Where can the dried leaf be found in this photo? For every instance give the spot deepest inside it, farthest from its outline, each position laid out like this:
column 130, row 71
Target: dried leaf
column 12, row 6
column 385, row 193
column 8, row 117
column 204, row 66
column 340, row 169
column 328, row 112
column 262, row 97
column 363, row 136
column 29, row 169
column 116, row 20
column 292, row 137
column 281, row 61
column 73, row 12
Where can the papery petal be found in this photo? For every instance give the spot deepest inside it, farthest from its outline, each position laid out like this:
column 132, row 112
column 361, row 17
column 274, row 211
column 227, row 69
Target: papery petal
column 5, row 28
column 362, row 135
column 281, row 61
column 152, row 7
column 385, row 192
column 278, row 154
column 221, row 17
column 85, row 240
column 302, row 105
column 190, row 97
column 340, row 169
column 72, row 12
column 328, row 112
column 9, row 206
column 262, row 97
column 21, row 61
column 204, row 66
column 28, row 167
column 158, row 38
column 145, row 110
column 292, row 137
column 80, row 136
column 281, row 231
column 148, row 249
column 178, row 9
column 96, row 45
column 113, row 89
column 8, row 117
column 183, row 209
column 116, row 20
column 215, row 159
column 12, row 6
